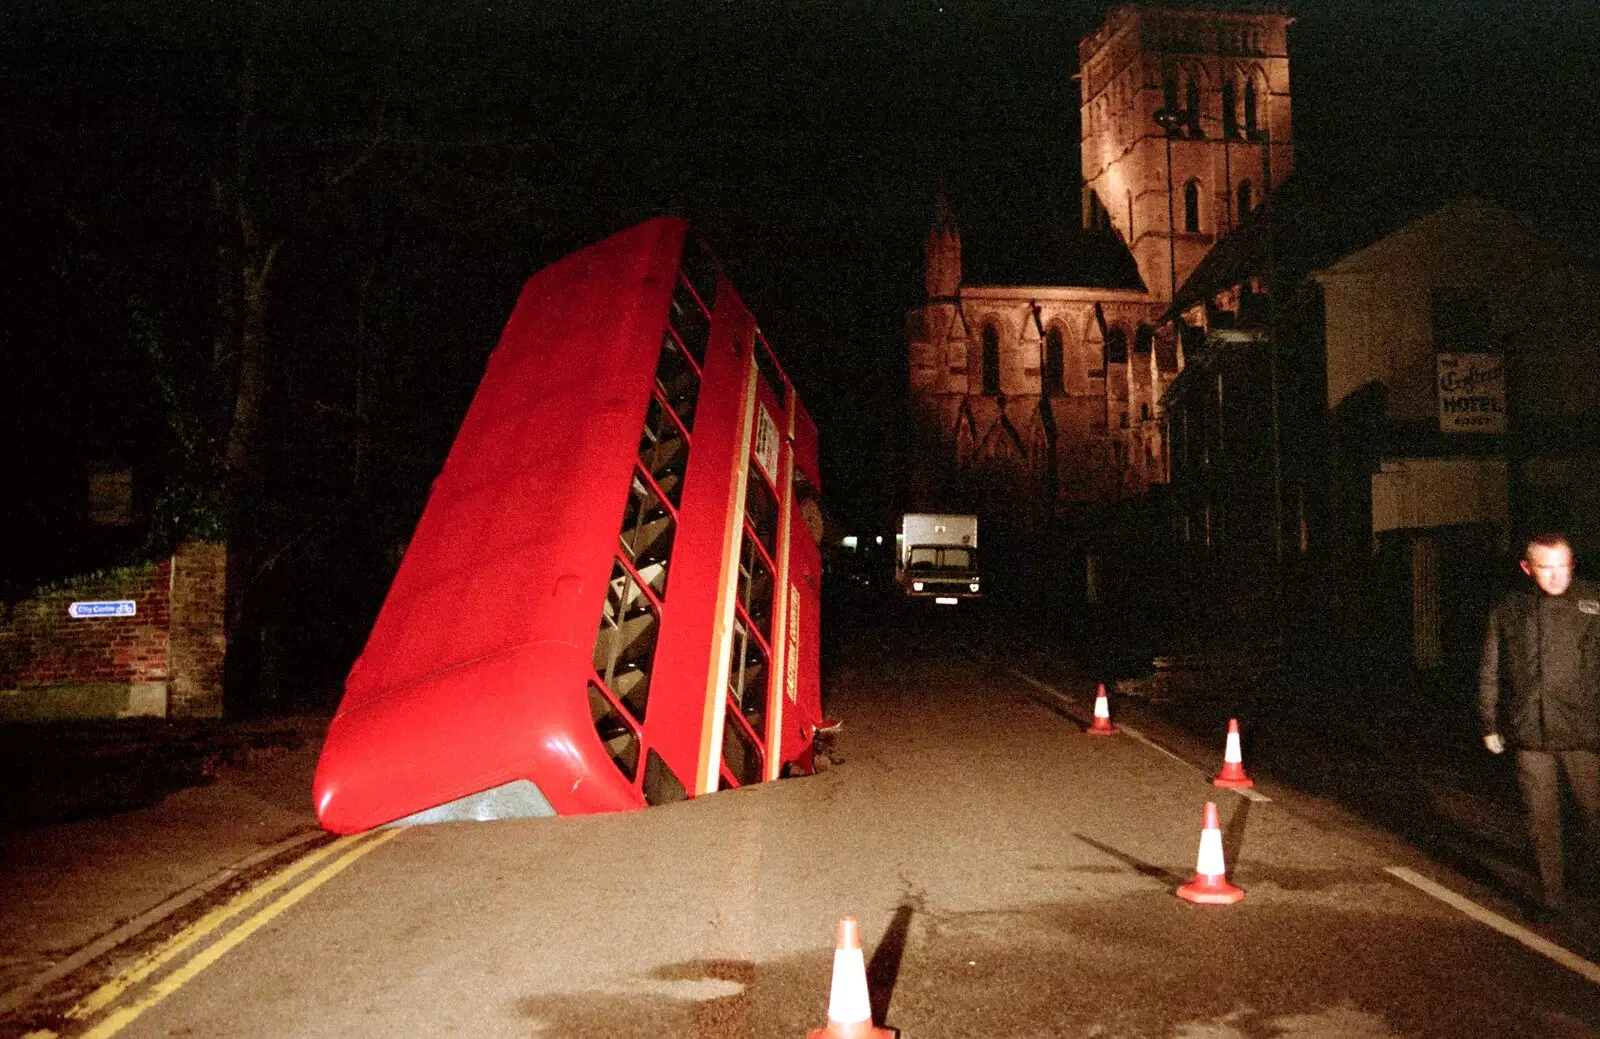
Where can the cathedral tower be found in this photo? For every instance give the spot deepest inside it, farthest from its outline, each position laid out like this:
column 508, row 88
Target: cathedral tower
column 1185, row 126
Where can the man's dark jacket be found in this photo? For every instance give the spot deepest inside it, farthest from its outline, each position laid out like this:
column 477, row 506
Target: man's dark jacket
column 1547, row 650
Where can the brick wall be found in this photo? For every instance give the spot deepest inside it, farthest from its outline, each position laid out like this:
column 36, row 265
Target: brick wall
column 165, row 660
column 198, row 641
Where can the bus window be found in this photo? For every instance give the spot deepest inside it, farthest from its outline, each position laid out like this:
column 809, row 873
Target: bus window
column 690, row 322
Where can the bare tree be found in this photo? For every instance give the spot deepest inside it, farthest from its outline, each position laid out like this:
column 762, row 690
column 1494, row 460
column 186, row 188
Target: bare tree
column 255, row 234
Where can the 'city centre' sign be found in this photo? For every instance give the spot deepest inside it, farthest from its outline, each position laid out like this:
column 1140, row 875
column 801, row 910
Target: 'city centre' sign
column 1472, row 393
column 119, row 608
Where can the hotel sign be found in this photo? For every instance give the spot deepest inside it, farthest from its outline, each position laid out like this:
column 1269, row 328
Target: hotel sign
column 1472, row 393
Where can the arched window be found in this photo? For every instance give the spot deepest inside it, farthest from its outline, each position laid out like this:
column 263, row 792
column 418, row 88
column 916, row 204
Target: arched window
column 1116, row 346
column 991, row 360
column 1191, row 207
column 1246, row 200
column 1144, row 338
column 1250, row 125
column 1169, row 91
column 1230, row 108
column 1191, row 107
column 1054, row 364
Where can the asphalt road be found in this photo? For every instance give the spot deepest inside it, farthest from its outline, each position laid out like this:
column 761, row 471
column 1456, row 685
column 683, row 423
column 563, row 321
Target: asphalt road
column 1013, row 876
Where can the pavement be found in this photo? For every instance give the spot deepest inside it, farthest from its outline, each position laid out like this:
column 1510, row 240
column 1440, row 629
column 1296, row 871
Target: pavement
column 117, row 823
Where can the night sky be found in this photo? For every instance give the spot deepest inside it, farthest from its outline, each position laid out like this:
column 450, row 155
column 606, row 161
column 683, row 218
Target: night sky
column 805, row 139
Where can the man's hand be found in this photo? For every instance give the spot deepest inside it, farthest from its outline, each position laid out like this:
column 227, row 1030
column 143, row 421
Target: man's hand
column 1494, row 744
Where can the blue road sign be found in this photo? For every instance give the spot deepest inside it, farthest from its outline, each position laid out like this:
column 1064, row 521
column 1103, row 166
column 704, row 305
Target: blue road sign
column 120, row 608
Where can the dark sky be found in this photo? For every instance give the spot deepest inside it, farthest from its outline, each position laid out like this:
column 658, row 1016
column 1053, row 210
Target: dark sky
column 806, row 137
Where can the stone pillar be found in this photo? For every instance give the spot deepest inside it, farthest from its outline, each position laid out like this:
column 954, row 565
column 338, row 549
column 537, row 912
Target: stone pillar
column 1426, row 644
column 199, row 639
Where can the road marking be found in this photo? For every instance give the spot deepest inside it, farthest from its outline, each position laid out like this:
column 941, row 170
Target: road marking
column 1543, row 946
column 120, row 1019
column 164, row 953
column 1043, row 687
column 1064, row 700
column 144, row 921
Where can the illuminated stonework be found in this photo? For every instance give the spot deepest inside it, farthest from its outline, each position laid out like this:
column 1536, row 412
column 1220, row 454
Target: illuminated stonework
column 1226, row 76
column 1047, row 396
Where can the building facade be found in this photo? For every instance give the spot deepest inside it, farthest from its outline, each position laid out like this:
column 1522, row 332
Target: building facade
column 1198, row 100
column 1039, row 393
column 1386, row 434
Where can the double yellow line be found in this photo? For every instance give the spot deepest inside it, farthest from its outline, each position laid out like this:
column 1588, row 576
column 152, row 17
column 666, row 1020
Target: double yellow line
column 344, row 852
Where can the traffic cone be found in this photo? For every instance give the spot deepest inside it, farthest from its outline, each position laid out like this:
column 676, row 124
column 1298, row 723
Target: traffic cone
column 1210, row 885
column 849, row 1008
column 1232, row 775
column 1102, row 714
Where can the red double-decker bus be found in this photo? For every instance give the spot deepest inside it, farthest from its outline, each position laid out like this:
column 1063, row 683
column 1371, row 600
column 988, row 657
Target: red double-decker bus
column 613, row 597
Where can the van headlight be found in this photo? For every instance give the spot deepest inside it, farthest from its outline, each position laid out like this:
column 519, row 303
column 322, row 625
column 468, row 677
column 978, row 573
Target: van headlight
column 973, row 586
column 916, row 586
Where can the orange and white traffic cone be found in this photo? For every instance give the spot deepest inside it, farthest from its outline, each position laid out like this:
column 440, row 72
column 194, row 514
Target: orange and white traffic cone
column 849, row 1008
column 1210, row 884
column 1102, row 714
column 1232, row 776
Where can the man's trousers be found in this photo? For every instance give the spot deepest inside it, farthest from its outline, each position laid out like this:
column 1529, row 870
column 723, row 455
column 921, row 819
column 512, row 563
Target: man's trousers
column 1538, row 777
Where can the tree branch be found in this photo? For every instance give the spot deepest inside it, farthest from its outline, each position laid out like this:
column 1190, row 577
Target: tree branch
column 335, row 179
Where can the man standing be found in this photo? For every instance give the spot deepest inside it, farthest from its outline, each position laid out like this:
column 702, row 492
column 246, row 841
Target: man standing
column 1545, row 643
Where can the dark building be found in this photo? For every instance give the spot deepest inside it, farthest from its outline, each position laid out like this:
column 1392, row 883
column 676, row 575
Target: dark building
column 1377, row 416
